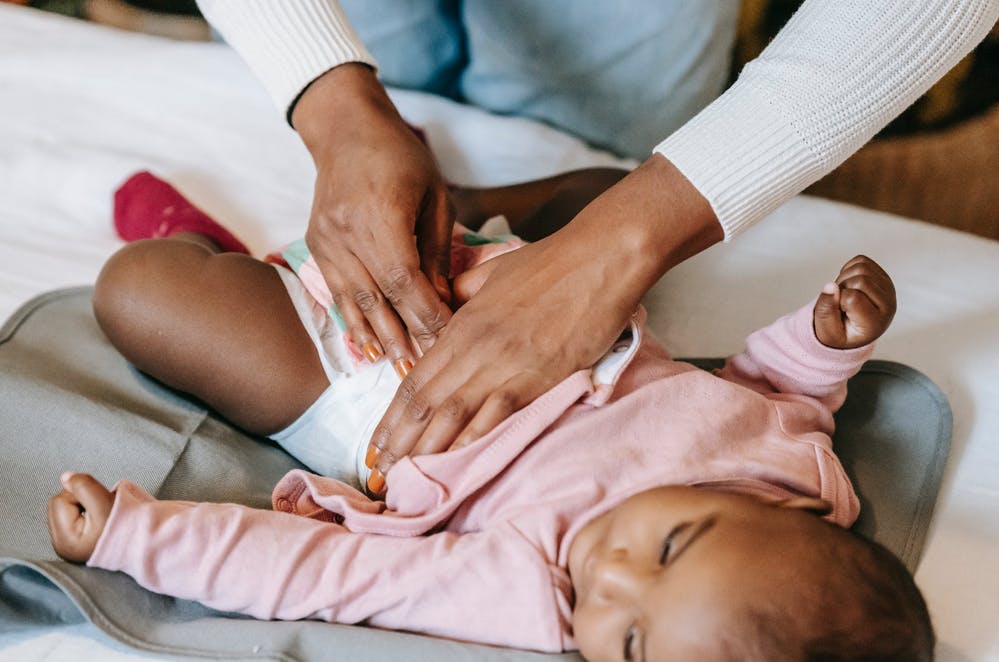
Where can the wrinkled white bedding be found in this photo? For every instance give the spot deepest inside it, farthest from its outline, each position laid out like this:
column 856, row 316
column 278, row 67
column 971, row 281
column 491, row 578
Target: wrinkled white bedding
column 82, row 107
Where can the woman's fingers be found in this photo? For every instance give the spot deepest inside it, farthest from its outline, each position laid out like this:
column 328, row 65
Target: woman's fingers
column 545, row 311
column 373, row 272
column 433, row 241
column 498, row 354
column 415, row 405
column 500, row 405
column 417, row 302
column 430, row 418
column 380, row 213
column 369, row 320
column 474, row 409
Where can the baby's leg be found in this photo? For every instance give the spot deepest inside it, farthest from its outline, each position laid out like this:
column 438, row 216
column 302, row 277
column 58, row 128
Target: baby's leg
column 219, row 326
column 537, row 208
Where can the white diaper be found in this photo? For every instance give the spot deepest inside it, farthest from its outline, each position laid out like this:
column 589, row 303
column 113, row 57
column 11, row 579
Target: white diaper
column 331, row 437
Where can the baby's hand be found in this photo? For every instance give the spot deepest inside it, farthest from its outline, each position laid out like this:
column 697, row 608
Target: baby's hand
column 77, row 516
column 857, row 308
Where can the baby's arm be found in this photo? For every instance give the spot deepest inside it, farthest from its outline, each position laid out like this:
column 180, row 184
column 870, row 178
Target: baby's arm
column 538, row 208
column 275, row 565
column 816, row 349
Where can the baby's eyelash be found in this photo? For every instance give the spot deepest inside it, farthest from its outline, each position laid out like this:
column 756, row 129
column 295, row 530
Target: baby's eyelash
column 629, row 641
column 670, row 540
column 667, row 546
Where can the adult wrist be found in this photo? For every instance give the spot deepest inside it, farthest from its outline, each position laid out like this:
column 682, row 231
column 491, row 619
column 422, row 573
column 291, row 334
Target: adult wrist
column 647, row 223
column 680, row 223
column 348, row 91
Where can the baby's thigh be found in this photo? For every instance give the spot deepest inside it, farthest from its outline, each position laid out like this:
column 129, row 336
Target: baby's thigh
column 220, row 327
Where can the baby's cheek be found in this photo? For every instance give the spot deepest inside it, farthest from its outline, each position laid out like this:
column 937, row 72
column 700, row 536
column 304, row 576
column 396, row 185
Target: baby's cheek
column 592, row 632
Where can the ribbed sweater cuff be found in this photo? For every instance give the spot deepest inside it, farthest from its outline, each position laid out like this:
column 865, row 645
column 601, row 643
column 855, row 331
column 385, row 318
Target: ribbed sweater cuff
column 833, row 77
column 743, row 155
column 287, row 44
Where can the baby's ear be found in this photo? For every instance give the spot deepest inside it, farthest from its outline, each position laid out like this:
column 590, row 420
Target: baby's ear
column 814, row 505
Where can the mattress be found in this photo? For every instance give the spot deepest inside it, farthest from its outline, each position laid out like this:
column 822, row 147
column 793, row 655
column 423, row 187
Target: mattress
column 84, row 106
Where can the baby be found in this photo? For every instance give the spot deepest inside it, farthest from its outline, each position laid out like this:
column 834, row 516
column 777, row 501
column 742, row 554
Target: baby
column 640, row 510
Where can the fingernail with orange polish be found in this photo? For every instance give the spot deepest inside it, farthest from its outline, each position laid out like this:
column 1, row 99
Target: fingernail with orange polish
column 371, row 352
column 376, row 482
column 403, row 366
column 371, row 457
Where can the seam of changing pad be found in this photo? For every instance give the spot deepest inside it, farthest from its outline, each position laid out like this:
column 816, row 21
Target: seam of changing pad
column 28, row 308
column 91, row 611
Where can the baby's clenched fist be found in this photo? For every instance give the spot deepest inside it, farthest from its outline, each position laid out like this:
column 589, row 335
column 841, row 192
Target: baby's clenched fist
column 857, row 308
column 77, row 516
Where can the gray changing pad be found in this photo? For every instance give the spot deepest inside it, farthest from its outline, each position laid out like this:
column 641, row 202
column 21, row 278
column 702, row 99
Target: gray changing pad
column 68, row 400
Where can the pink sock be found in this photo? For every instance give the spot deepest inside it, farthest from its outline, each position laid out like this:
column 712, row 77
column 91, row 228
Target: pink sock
column 147, row 207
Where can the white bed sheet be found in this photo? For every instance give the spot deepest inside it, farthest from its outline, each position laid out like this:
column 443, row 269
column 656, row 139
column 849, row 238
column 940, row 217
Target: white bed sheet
column 81, row 107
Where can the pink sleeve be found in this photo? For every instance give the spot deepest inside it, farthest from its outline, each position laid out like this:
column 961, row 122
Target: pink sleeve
column 274, row 565
column 786, row 358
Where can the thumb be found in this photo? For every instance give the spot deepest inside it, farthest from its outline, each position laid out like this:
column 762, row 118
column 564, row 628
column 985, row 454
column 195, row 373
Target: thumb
column 467, row 284
column 828, row 318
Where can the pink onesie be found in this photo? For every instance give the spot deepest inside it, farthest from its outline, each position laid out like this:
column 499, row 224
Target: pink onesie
column 473, row 544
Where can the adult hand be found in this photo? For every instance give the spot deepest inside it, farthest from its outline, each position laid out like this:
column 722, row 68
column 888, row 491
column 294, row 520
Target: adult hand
column 380, row 228
column 544, row 311
column 77, row 516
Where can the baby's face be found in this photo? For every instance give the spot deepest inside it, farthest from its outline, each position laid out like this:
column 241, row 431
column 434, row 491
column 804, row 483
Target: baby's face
column 662, row 574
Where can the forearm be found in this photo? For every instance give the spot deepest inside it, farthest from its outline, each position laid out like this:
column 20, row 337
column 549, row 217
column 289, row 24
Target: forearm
column 834, row 76
column 215, row 553
column 287, row 44
column 275, row 565
column 786, row 357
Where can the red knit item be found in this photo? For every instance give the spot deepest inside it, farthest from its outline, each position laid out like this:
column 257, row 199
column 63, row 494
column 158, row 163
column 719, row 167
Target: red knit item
column 146, row 207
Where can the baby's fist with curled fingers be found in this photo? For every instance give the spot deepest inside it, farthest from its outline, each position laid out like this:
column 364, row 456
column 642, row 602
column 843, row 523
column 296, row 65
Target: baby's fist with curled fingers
column 857, row 308
column 77, row 516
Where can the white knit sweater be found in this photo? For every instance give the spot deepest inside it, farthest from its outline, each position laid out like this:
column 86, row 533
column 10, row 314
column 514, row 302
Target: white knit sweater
column 837, row 73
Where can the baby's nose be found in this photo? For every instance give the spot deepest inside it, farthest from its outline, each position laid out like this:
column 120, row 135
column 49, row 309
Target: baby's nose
column 619, row 578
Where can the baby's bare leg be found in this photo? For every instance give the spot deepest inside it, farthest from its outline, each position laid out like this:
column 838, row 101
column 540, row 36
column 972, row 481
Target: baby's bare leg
column 219, row 326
